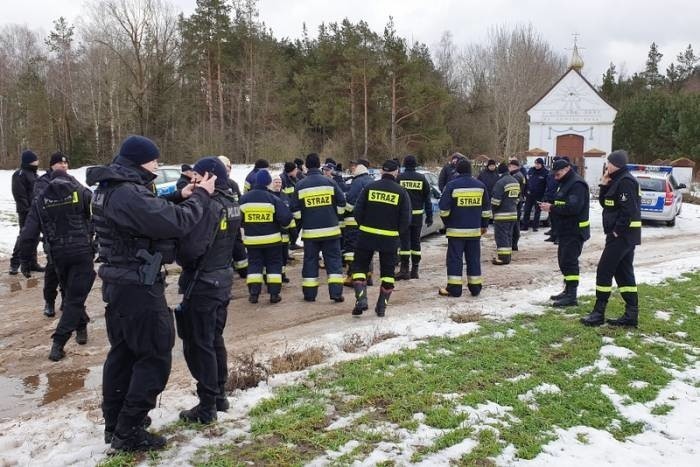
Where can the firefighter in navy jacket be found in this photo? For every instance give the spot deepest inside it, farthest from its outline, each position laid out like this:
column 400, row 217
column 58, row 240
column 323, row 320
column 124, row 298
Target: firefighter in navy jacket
column 536, row 186
column 265, row 216
column 622, row 224
column 317, row 203
column 571, row 205
column 250, row 178
column 504, row 205
column 205, row 283
column 465, row 210
column 361, row 178
column 383, row 212
column 418, row 190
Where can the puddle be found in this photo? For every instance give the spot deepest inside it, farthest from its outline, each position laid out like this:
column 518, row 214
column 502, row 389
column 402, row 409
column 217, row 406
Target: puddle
column 18, row 395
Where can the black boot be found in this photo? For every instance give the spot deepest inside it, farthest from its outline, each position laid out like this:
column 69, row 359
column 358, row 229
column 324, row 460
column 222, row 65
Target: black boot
column 275, row 298
column 629, row 319
column 253, row 298
column 137, row 439
column 560, row 295
column 222, row 404
column 199, row 414
column 403, row 274
column 360, row 297
column 109, row 432
column 597, row 316
column 49, row 310
column 382, row 301
column 414, row 271
column 37, row 267
column 14, row 270
column 57, row 352
column 81, row 336
column 569, row 298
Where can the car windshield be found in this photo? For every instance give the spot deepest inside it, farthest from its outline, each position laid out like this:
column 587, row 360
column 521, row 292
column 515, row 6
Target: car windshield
column 652, row 184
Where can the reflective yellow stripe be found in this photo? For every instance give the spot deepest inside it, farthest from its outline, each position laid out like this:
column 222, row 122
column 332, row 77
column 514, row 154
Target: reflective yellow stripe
column 583, row 224
column 319, row 233
column 505, row 216
column 386, row 233
column 559, row 203
column 504, row 251
column 415, row 252
column 404, row 252
column 316, row 190
column 628, row 289
column 486, row 214
column 285, row 238
column 289, row 190
column 463, row 233
column 262, row 239
column 444, row 213
column 335, row 278
column 274, row 278
column 292, row 224
column 359, row 275
column 454, row 280
column 350, row 222
column 495, row 201
column 254, row 279
column 417, row 211
column 309, row 282
column 349, row 256
column 388, row 280
column 609, row 202
column 349, row 207
column 340, row 210
column 603, row 288
column 474, row 280
column 240, row 264
column 297, row 215
column 636, row 224
column 573, row 277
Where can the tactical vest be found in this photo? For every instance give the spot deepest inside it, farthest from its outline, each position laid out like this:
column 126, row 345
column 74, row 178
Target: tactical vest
column 117, row 246
column 611, row 209
column 64, row 221
column 220, row 252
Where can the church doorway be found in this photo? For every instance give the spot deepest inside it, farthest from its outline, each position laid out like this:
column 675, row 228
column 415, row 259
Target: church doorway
column 572, row 146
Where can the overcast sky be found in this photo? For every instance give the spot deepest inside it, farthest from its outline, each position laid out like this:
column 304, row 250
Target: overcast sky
column 618, row 31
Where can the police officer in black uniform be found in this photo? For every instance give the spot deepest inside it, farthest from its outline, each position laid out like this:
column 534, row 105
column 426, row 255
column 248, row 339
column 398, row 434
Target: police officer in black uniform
column 205, row 283
column 23, row 180
column 418, row 188
column 383, row 212
column 136, row 233
column 62, row 214
column 240, row 254
column 571, row 207
column 185, row 177
column 58, row 161
column 622, row 224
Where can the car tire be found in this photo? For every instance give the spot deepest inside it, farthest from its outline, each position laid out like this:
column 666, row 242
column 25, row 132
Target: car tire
column 671, row 223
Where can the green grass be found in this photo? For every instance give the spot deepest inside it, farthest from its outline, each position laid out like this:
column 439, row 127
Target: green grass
column 437, row 383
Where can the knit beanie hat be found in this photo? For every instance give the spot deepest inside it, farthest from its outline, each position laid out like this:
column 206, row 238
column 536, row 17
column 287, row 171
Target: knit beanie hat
column 213, row 165
column 28, row 157
column 262, row 179
column 539, row 160
column 490, row 162
column 618, row 158
column 464, row 167
column 502, row 168
column 410, row 162
column 139, row 150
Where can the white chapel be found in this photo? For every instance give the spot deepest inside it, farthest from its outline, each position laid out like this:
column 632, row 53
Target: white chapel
column 572, row 119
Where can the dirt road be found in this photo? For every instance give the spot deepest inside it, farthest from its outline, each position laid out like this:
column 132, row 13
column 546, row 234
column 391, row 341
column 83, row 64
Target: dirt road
column 28, row 379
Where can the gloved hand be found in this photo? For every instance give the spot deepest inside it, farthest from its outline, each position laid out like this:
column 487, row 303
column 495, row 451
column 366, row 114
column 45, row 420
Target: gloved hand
column 26, row 269
column 428, row 221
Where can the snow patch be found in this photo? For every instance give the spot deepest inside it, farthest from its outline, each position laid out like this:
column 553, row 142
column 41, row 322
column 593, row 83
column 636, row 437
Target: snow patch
column 662, row 315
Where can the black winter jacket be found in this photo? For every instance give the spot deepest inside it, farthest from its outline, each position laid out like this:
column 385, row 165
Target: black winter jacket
column 23, row 181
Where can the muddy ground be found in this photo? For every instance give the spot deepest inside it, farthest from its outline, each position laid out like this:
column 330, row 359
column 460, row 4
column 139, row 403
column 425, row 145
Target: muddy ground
column 28, row 379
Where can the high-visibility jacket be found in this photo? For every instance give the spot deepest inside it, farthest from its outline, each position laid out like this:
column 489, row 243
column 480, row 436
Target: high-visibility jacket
column 317, row 204
column 383, row 212
column 465, row 207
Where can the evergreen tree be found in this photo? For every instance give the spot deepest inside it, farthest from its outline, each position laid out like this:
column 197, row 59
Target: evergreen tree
column 651, row 72
column 687, row 63
column 608, row 87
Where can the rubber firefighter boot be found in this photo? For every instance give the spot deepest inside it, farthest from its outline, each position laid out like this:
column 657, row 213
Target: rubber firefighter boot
column 360, row 297
column 569, row 298
column 629, row 319
column 560, row 295
column 403, row 274
column 57, row 352
column 382, row 301
column 597, row 316
column 414, row 271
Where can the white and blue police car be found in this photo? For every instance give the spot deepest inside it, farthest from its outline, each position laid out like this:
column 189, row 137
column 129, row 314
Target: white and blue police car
column 661, row 194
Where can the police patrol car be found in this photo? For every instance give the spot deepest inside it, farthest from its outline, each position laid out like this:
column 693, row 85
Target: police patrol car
column 661, row 194
column 166, row 178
